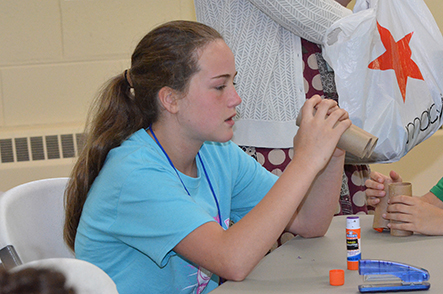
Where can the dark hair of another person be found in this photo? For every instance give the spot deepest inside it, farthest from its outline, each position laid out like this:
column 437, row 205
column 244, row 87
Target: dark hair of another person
column 33, row 281
column 166, row 56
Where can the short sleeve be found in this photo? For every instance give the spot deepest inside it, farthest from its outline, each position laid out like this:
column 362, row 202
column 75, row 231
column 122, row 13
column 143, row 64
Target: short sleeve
column 252, row 184
column 155, row 213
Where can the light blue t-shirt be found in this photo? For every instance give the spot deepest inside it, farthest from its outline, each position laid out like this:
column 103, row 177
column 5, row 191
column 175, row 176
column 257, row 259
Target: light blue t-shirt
column 137, row 211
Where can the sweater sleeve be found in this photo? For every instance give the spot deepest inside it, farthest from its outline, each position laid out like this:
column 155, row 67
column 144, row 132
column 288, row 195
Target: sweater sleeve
column 308, row 19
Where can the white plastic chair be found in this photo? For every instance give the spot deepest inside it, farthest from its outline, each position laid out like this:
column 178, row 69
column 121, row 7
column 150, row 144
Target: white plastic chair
column 31, row 219
column 81, row 275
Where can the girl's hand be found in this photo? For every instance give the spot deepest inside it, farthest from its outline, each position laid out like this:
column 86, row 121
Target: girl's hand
column 321, row 127
column 375, row 186
column 416, row 214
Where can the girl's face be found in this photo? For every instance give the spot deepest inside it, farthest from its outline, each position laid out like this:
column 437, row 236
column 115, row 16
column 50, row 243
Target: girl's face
column 208, row 108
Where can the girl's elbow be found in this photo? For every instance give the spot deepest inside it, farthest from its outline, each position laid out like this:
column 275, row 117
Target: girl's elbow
column 237, row 278
column 313, row 233
column 237, row 271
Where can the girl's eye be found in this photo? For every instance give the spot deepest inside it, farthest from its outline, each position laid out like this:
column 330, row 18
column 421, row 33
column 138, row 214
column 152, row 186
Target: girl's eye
column 221, row 87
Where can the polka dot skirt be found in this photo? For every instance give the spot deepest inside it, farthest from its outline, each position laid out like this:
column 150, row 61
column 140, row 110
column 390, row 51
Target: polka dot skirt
column 352, row 196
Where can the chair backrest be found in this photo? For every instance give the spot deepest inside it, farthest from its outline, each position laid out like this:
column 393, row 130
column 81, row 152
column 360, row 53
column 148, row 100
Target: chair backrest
column 81, row 275
column 32, row 217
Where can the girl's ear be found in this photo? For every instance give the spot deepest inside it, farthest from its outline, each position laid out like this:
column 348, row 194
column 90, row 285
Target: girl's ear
column 168, row 98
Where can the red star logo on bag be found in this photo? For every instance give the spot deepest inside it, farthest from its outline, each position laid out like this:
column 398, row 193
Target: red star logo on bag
column 397, row 57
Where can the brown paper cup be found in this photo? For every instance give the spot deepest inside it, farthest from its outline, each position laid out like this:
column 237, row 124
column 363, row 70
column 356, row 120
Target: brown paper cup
column 395, row 189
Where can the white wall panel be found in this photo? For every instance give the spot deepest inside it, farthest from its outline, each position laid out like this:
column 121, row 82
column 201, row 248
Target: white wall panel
column 50, row 94
column 103, row 29
column 187, row 9
column 2, row 122
column 30, row 31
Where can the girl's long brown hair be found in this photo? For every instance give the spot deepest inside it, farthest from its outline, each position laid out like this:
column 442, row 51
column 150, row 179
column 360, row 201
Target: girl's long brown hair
column 167, row 56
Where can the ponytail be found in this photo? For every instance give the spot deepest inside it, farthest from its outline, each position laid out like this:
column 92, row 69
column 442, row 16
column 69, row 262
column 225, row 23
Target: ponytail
column 115, row 116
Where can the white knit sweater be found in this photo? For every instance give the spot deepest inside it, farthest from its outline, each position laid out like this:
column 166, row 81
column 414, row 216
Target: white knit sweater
column 264, row 36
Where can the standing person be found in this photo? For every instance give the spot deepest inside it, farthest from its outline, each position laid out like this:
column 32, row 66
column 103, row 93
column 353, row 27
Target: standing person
column 152, row 194
column 280, row 65
column 422, row 215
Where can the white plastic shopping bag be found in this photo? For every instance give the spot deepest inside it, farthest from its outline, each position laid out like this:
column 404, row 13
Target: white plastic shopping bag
column 388, row 63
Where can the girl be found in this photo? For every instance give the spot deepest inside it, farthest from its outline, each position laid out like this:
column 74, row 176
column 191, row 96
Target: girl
column 154, row 191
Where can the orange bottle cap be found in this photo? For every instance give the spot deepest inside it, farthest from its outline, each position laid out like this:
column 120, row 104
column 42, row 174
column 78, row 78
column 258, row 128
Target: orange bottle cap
column 336, row 277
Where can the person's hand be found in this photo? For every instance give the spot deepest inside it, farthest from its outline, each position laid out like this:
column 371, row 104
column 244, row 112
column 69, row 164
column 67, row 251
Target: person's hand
column 416, row 214
column 339, row 152
column 322, row 124
column 375, row 186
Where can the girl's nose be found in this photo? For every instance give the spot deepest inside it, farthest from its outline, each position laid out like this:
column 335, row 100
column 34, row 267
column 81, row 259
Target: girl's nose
column 236, row 100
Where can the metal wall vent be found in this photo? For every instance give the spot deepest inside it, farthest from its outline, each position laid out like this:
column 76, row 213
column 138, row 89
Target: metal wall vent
column 38, row 148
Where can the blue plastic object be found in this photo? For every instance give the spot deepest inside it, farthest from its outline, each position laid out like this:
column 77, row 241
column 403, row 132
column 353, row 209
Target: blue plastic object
column 390, row 276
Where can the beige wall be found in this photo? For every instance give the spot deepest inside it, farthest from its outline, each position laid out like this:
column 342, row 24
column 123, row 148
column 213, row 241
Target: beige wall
column 54, row 55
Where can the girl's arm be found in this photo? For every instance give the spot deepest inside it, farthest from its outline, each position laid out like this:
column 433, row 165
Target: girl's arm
column 232, row 254
column 314, row 215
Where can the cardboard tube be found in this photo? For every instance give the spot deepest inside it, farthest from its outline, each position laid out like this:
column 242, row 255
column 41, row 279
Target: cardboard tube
column 354, row 140
column 357, row 142
column 379, row 223
column 395, row 189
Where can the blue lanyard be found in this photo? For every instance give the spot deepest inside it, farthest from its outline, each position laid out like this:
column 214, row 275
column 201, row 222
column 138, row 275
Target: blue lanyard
column 178, row 175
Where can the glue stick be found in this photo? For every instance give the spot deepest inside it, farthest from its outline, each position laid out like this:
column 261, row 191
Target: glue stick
column 353, row 243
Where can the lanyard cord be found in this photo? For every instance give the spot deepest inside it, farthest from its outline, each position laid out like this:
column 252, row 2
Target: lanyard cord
column 178, row 175
column 212, row 190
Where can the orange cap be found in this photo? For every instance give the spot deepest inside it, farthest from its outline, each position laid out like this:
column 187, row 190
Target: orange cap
column 336, row 277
